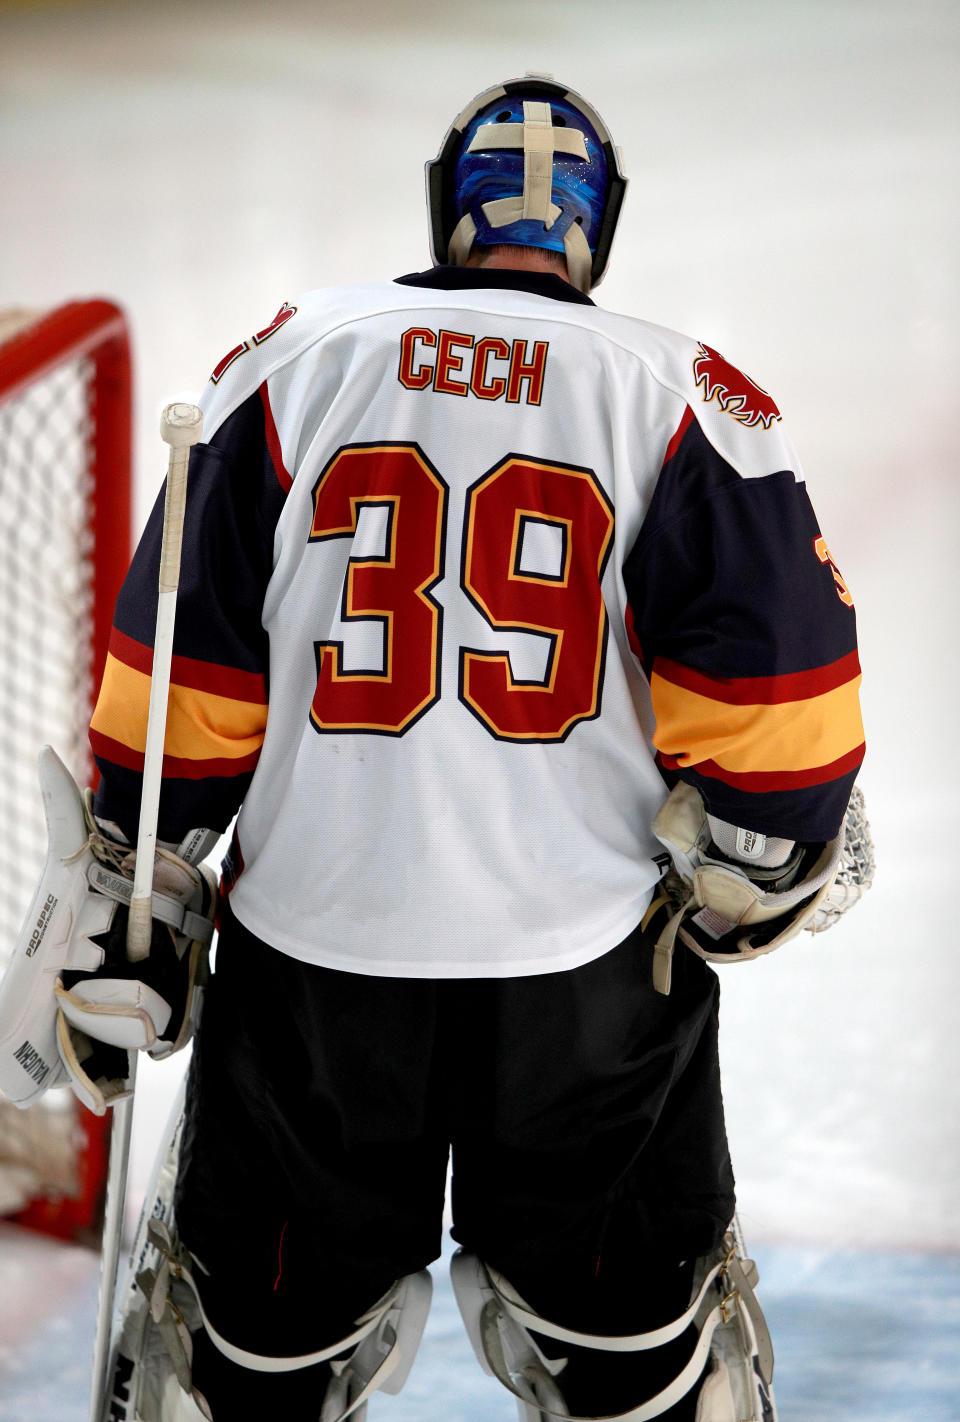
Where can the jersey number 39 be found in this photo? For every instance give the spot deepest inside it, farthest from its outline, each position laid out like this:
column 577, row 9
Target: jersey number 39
column 519, row 505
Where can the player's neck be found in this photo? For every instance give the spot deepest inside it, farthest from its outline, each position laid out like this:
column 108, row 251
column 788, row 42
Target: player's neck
column 525, row 259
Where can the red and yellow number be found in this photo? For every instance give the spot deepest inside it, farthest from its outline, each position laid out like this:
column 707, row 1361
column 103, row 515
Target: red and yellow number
column 825, row 556
column 393, row 588
column 565, row 606
column 562, row 604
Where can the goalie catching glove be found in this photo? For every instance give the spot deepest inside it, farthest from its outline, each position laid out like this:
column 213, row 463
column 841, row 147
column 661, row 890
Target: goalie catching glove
column 732, row 895
column 72, row 1007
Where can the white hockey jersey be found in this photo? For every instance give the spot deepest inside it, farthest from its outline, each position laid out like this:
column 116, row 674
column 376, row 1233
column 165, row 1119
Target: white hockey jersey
column 466, row 557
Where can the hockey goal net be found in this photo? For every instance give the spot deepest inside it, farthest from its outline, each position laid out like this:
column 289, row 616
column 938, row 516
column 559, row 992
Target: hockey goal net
column 65, row 408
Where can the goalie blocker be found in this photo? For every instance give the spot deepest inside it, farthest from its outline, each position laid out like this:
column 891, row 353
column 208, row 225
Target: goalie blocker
column 72, row 1007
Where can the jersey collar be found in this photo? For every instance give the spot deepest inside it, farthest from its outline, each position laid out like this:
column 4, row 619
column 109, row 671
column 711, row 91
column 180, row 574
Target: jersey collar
column 496, row 279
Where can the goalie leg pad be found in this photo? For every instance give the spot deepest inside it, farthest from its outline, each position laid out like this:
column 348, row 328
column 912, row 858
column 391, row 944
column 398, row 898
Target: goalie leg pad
column 382, row 1360
column 375, row 1356
column 732, row 1362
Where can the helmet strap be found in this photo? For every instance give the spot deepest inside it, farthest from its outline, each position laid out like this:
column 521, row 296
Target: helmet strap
column 540, row 141
column 461, row 241
column 579, row 257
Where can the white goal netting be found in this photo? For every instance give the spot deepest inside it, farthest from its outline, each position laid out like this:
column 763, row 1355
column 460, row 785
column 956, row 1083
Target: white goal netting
column 49, row 438
column 46, row 601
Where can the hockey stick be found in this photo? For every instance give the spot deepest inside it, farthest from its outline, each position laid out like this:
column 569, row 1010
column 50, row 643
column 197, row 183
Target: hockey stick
column 181, row 426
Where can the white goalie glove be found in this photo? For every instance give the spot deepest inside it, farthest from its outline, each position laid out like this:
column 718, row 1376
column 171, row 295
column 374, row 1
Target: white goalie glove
column 732, row 895
column 72, row 1007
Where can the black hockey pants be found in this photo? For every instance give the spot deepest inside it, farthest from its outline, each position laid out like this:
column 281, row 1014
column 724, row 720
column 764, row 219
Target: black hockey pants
column 590, row 1162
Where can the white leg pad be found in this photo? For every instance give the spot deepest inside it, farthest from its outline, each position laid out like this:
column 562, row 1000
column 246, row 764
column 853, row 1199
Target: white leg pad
column 160, row 1309
column 715, row 1403
column 177, row 1406
column 381, row 1361
column 732, row 1363
column 503, row 1346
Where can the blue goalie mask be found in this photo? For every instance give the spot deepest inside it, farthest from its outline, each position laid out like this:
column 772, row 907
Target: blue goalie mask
column 532, row 164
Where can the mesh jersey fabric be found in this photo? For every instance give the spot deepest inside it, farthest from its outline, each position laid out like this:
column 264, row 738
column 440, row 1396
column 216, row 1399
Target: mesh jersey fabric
column 511, row 556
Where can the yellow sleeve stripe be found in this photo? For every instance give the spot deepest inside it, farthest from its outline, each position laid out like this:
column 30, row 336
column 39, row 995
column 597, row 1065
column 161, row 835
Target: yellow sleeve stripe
column 785, row 736
column 200, row 724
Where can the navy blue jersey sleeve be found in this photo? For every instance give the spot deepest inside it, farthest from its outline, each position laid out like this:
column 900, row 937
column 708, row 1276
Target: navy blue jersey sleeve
column 748, row 637
column 219, row 680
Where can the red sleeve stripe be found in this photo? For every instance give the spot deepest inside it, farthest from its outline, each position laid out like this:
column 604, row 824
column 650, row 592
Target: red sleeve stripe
column 189, row 671
column 677, row 440
column 759, row 782
column 273, row 441
column 761, row 690
column 174, row 767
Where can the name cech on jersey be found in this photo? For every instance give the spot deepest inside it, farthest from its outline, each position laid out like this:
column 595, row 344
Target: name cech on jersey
column 455, row 363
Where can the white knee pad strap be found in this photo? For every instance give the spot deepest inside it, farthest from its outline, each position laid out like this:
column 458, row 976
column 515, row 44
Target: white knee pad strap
column 732, row 1339
column 379, row 1352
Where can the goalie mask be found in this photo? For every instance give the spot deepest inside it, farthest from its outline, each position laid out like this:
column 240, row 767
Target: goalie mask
column 529, row 163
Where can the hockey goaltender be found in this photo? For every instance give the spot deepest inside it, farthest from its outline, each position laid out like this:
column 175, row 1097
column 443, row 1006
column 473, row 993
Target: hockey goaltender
column 507, row 625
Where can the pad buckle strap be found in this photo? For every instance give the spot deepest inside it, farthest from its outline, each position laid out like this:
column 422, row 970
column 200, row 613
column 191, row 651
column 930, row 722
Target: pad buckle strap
column 518, row 1310
column 165, row 909
column 522, row 1384
column 729, row 1306
column 155, row 1285
column 665, row 946
column 740, row 1275
column 176, row 1265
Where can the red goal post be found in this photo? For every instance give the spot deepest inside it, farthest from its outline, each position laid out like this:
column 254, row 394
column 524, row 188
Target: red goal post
column 65, row 504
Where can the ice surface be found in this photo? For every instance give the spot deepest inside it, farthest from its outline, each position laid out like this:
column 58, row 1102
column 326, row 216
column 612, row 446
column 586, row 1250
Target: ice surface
column 858, row 1338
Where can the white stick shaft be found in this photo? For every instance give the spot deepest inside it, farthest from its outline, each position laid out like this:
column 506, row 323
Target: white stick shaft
column 120, row 1132
column 181, row 426
column 139, row 924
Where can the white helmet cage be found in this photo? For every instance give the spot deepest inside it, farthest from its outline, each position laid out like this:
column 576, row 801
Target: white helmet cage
column 442, row 216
